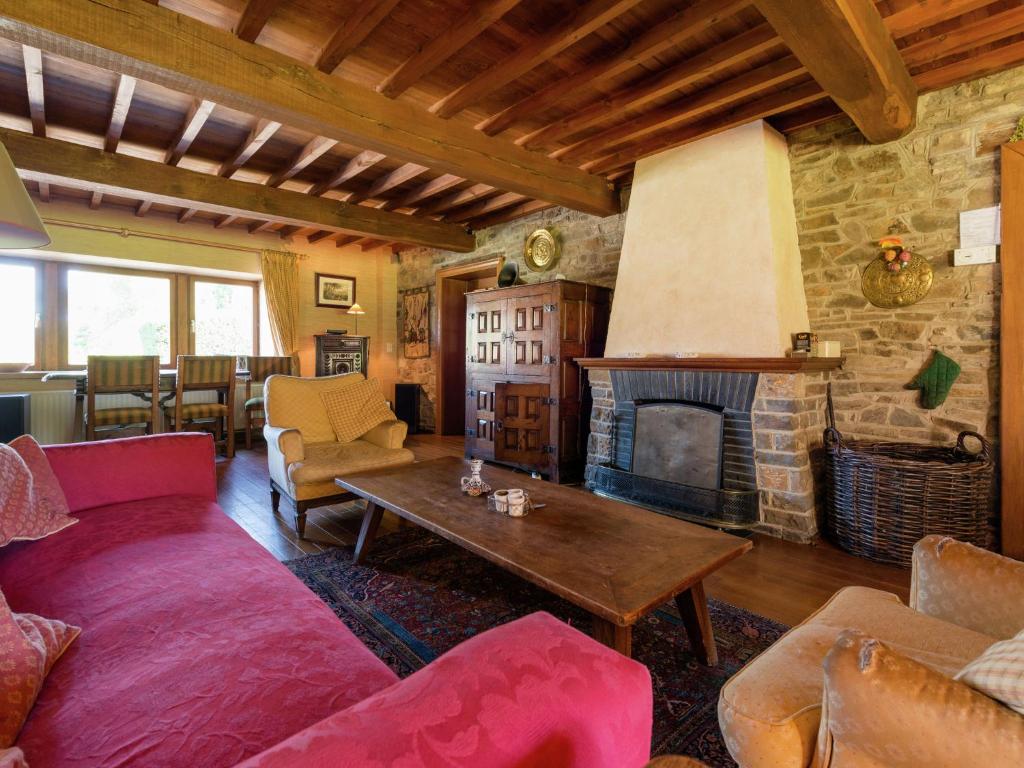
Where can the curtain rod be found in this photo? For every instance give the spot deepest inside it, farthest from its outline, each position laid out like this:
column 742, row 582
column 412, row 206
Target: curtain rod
column 123, row 232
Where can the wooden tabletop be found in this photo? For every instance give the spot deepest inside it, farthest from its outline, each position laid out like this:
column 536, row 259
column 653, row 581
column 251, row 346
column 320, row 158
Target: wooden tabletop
column 613, row 559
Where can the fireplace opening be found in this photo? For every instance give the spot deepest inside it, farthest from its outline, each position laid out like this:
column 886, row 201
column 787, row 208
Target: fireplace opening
column 679, row 442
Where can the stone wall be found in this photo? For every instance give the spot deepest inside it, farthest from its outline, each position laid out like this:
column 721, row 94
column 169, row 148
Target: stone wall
column 590, row 254
column 848, row 194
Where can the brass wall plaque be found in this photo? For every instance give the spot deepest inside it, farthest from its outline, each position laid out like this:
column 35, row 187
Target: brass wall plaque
column 541, row 250
column 889, row 290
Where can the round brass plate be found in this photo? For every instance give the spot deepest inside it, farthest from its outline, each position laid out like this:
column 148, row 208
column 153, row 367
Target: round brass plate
column 897, row 289
column 541, row 250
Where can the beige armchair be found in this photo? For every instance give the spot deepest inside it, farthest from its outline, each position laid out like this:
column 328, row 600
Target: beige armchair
column 866, row 682
column 303, row 453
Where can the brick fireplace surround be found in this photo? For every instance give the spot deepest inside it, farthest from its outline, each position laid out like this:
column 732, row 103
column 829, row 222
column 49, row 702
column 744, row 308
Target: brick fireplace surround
column 786, row 421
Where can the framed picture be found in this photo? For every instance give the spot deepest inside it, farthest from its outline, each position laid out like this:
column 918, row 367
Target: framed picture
column 335, row 291
column 416, row 323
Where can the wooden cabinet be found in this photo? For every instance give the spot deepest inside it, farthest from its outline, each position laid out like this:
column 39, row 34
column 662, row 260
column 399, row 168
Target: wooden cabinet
column 526, row 401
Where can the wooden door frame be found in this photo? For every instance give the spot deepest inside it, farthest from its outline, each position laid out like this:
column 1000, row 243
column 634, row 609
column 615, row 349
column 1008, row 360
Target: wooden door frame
column 1011, row 353
column 468, row 271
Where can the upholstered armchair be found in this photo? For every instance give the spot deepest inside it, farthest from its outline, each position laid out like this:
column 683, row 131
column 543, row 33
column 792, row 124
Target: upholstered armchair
column 867, row 682
column 303, row 452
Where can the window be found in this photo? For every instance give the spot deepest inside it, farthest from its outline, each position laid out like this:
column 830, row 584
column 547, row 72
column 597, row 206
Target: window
column 223, row 317
column 18, row 293
column 117, row 313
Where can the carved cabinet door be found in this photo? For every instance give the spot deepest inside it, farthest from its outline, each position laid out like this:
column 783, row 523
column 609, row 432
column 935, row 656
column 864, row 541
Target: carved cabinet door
column 521, row 423
column 485, row 337
column 532, row 319
column 480, row 418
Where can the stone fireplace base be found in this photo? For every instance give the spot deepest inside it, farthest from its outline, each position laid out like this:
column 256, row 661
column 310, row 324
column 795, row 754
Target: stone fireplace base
column 785, row 416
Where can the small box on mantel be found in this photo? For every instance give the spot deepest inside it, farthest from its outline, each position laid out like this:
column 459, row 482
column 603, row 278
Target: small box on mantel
column 827, row 349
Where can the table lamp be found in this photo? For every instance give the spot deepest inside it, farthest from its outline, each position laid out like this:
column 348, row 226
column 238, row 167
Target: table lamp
column 20, row 225
column 356, row 310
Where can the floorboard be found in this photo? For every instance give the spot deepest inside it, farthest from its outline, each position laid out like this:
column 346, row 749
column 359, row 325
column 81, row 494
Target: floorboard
column 777, row 579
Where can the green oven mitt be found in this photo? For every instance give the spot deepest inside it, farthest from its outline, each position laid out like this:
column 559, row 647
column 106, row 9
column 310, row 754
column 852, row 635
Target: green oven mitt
column 936, row 380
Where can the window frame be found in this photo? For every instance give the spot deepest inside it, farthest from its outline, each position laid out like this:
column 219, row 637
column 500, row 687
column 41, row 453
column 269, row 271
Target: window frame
column 191, row 326
column 37, row 268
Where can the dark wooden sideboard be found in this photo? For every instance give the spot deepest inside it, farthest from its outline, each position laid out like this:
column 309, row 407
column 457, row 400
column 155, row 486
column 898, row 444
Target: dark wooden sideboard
column 527, row 403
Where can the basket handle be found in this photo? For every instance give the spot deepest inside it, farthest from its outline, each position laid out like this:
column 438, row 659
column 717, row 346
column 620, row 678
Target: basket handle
column 986, row 447
column 833, row 439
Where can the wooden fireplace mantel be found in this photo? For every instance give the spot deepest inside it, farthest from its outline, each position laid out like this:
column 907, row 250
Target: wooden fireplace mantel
column 736, row 364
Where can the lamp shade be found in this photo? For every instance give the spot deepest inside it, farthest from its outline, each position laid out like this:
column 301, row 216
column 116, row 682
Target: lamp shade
column 355, row 309
column 20, row 225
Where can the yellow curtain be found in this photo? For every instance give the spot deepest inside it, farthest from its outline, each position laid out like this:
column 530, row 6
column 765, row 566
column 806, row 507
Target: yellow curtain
column 281, row 284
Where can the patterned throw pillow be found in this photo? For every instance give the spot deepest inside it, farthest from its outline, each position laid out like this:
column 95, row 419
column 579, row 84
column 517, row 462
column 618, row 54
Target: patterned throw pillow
column 12, row 758
column 356, row 409
column 32, row 504
column 999, row 672
column 31, row 646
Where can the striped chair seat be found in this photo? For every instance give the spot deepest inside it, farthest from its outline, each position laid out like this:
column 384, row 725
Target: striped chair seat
column 254, row 404
column 105, row 417
column 198, row 411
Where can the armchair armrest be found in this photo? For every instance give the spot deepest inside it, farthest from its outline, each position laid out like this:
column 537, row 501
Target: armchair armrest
column 882, row 708
column 286, row 441
column 531, row 692
column 968, row 586
column 134, row 468
column 390, row 434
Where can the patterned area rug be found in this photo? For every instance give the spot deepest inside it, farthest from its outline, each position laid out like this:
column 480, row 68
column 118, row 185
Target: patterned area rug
column 419, row 596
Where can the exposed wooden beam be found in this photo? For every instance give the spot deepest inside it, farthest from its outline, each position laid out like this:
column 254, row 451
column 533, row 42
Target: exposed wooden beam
column 357, row 27
column 33, row 59
column 181, row 53
column 186, row 214
column 258, row 136
column 998, row 26
column 316, row 237
column 971, row 68
column 226, row 221
column 119, row 112
column 261, row 226
column 341, row 242
column 501, row 217
column 352, row 168
column 391, row 180
column 846, row 47
column 462, row 197
column 488, row 205
column 367, row 244
column 750, row 83
column 44, row 191
column 288, row 231
column 197, row 116
column 254, row 17
column 571, row 29
column 478, row 17
column 433, row 187
column 781, row 101
column 704, row 64
column 143, row 207
column 76, row 166
column 95, row 200
column 302, row 159
column 921, row 14
column 681, row 26
column 812, row 114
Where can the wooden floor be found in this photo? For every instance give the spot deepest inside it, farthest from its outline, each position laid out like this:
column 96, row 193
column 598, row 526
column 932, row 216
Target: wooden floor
column 777, row 579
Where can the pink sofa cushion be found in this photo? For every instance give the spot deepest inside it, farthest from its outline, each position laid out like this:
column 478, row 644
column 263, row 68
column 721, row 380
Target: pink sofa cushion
column 29, row 647
column 198, row 648
column 28, row 508
column 534, row 692
column 48, row 491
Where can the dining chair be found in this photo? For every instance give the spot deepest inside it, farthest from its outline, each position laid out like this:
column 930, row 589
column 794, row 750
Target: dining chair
column 202, row 373
column 137, row 375
column 260, row 369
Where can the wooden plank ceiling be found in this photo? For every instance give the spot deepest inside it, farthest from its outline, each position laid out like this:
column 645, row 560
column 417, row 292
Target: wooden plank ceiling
column 473, row 109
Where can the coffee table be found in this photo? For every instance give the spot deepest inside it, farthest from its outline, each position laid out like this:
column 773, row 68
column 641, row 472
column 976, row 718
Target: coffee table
column 616, row 561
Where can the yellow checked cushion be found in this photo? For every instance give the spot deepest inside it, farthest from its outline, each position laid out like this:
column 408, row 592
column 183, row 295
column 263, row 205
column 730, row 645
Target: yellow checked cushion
column 294, row 402
column 198, row 411
column 325, row 461
column 104, row 417
column 355, row 410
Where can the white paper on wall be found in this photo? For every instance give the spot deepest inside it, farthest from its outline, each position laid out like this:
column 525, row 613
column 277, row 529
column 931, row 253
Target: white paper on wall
column 979, row 227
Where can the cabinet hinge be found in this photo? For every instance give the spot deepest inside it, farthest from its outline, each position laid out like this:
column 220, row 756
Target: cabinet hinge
column 472, row 315
column 548, row 449
column 549, row 359
column 470, row 433
column 549, row 401
column 470, row 393
column 550, row 307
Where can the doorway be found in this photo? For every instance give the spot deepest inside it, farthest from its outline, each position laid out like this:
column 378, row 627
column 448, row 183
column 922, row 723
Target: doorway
column 453, row 283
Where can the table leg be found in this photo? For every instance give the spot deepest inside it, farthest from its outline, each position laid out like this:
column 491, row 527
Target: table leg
column 78, row 433
column 614, row 636
column 693, row 608
column 367, row 531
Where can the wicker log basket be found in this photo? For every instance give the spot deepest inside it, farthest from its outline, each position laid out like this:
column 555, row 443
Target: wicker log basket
column 884, row 497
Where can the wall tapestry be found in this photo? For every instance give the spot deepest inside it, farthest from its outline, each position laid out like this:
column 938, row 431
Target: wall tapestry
column 416, row 323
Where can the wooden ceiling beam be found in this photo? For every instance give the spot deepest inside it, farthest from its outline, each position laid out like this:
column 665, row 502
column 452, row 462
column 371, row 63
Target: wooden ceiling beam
column 341, row 242
column 368, row 14
column 33, row 59
column 803, row 117
column 76, row 166
column 368, row 243
column 574, row 27
column 678, row 28
column 744, row 86
column 361, row 162
column 996, row 27
column 95, row 199
column 261, row 226
column 143, row 208
column 44, row 191
column 119, row 112
column 773, row 104
column 477, row 18
column 462, row 197
column 225, row 221
column 971, row 68
column 922, row 14
column 846, row 47
column 316, row 237
column 305, row 157
column 183, row 54
column 485, row 206
column 389, row 181
column 186, row 214
column 197, row 116
column 433, row 187
column 501, row 217
column 703, row 65
column 254, row 17
column 260, row 134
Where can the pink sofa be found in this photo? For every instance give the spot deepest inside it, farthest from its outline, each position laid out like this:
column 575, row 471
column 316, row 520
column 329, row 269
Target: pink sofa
column 199, row 649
